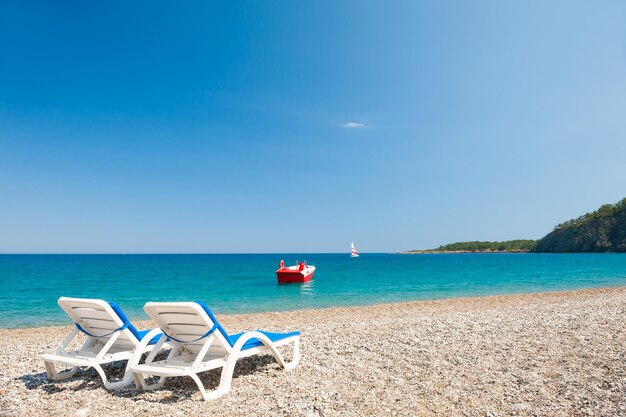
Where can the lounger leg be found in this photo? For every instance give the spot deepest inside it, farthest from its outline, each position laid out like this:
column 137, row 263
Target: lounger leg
column 147, row 387
column 295, row 360
column 229, row 366
column 53, row 375
column 211, row 395
column 279, row 357
column 100, row 371
column 126, row 381
column 140, row 382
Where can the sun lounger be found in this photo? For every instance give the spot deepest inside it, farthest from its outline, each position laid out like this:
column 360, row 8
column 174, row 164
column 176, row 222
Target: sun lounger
column 110, row 337
column 199, row 343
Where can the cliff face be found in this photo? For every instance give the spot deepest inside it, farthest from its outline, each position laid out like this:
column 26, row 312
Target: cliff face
column 604, row 230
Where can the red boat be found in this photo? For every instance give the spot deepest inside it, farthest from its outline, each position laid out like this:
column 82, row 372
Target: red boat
column 295, row 273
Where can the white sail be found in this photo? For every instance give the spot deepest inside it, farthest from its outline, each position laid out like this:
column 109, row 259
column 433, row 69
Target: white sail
column 353, row 252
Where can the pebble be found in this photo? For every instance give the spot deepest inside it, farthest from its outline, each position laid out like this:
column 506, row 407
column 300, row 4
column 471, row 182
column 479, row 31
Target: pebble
column 83, row 412
column 551, row 354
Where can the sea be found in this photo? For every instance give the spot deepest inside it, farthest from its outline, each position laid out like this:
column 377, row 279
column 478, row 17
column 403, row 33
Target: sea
column 31, row 284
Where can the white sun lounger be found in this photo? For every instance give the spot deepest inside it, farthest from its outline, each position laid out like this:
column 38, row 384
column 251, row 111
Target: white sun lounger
column 110, row 336
column 200, row 343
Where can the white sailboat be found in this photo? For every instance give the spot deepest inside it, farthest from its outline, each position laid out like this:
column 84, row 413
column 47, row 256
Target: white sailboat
column 353, row 252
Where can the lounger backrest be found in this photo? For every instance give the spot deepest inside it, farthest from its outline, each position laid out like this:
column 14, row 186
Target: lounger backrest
column 188, row 322
column 98, row 318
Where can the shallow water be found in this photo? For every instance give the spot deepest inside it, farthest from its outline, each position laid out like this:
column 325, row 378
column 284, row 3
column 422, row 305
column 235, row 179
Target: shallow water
column 31, row 284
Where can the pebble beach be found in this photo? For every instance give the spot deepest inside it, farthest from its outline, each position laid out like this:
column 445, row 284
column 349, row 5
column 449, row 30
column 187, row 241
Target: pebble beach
column 543, row 354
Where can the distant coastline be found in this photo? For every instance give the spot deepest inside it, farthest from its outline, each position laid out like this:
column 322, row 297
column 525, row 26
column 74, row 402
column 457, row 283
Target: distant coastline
column 508, row 246
column 601, row 231
column 444, row 252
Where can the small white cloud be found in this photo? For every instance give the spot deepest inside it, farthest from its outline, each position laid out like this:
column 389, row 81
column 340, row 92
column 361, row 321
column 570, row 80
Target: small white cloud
column 353, row 125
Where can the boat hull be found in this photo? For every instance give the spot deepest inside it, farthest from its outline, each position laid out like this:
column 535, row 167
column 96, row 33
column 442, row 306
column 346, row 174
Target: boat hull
column 286, row 276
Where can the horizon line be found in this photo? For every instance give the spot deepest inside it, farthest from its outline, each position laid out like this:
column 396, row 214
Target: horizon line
column 183, row 253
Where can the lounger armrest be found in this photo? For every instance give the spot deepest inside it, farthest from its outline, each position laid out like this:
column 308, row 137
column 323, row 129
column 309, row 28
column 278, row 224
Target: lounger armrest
column 143, row 345
column 107, row 346
column 251, row 335
column 60, row 349
column 269, row 345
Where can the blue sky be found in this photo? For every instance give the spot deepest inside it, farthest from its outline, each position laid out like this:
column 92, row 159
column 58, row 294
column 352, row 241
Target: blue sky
column 302, row 126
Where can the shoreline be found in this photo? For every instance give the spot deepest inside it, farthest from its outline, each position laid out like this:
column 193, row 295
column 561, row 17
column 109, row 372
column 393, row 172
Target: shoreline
column 147, row 323
column 555, row 353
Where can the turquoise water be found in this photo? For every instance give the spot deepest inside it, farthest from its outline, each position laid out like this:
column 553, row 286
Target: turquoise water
column 31, row 284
